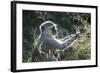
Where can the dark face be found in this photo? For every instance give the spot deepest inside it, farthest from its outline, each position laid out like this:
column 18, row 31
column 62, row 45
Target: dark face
column 49, row 28
column 54, row 30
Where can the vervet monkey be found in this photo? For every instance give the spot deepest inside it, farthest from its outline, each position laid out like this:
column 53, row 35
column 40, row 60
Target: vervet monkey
column 50, row 44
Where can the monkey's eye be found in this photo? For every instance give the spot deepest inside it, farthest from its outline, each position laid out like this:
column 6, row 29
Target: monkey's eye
column 52, row 28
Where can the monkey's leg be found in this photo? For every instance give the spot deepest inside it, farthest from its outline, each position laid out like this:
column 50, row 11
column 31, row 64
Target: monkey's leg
column 51, row 56
column 57, row 54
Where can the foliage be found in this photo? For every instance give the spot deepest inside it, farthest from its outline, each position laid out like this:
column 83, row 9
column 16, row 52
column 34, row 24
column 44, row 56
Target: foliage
column 68, row 22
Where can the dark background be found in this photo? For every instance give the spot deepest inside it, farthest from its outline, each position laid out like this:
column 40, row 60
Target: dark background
column 68, row 23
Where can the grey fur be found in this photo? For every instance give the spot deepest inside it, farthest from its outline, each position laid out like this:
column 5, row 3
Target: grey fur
column 49, row 44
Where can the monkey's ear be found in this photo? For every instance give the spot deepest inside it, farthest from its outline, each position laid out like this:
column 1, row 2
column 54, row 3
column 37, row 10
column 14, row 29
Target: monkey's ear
column 41, row 28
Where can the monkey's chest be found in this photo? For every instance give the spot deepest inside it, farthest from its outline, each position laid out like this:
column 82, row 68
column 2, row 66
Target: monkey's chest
column 46, row 44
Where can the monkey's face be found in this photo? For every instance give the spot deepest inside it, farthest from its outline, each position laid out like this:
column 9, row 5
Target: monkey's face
column 49, row 28
column 53, row 30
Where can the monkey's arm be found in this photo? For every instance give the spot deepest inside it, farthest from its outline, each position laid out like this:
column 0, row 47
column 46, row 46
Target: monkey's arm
column 70, row 41
column 57, row 44
column 67, row 37
column 54, row 43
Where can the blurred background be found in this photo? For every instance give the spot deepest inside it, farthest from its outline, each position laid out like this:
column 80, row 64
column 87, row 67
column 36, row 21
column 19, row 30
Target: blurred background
column 68, row 23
